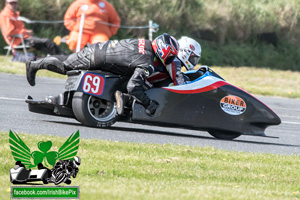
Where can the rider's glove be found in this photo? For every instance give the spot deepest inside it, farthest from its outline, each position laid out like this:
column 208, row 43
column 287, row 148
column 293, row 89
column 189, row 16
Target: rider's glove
column 147, row 85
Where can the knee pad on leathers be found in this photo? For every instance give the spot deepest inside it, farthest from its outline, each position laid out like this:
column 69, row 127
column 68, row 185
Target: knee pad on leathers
column 80, row 60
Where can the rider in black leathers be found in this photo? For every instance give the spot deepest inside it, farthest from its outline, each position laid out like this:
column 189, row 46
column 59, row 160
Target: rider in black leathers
column 63, row 170
column 133, row 57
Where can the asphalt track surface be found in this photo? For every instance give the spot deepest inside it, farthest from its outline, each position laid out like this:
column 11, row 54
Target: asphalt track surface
column 14, row 115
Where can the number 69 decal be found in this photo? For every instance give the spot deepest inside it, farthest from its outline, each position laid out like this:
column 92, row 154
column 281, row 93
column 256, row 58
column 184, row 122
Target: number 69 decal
column 93, row 84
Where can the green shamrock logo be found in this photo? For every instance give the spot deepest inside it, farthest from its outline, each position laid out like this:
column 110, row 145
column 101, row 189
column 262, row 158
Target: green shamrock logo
column 21, row 152
column 44, row 155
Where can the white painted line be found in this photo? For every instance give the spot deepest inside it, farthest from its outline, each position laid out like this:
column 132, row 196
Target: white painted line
column 280, row 108
column 12, row 99
column 298, row 123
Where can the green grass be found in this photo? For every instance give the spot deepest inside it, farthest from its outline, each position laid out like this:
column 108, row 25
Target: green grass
column 263, row 81
column 119, row 170
column 6, row 66
column 283, row 57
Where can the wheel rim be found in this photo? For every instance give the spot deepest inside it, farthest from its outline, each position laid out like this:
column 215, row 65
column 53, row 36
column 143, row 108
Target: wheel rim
column 100, row 109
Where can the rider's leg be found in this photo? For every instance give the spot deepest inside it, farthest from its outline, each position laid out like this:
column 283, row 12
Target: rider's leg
column 60, row 63
column 51, row 63
column 82, row 59
column 135, row 87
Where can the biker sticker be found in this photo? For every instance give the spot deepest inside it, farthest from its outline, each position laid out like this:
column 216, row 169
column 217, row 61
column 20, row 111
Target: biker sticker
column 233, row 105
column 142, row 46
column 93, row 84
column 192, row 47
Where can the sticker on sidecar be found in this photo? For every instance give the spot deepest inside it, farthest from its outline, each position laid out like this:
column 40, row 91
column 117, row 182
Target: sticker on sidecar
column 233, row 105
column 93, row 84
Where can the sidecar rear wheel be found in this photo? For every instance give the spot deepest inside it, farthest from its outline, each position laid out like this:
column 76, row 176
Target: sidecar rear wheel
column 225, row 135
column 93, row 111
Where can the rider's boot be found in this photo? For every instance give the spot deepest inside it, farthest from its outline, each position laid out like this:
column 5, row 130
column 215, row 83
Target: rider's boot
column 151, row 108
column 123, row 100
column 49, row 63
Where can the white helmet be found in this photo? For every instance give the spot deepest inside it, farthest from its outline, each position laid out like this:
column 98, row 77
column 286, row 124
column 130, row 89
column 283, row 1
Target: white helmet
column 77, row 161
column 189, row 52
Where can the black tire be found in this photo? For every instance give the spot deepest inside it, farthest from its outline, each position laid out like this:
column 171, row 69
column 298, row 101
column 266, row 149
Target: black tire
column 68, row 181
column 225, row 135
column 93, row 111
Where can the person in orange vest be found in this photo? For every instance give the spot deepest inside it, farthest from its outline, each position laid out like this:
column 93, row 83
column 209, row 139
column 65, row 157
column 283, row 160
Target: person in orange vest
column 101, row 22
column 10, row 25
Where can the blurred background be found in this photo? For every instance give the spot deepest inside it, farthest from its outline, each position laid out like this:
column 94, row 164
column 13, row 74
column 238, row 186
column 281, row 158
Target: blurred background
column 260, row 33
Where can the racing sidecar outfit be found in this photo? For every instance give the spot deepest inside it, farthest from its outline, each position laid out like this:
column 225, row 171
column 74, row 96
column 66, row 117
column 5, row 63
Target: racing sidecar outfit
column 132, row 57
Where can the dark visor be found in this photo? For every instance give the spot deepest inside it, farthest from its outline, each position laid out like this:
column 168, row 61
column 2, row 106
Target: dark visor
column 194, row 59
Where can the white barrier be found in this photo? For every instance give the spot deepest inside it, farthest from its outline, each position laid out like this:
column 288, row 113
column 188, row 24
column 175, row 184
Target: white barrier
column 80, row 32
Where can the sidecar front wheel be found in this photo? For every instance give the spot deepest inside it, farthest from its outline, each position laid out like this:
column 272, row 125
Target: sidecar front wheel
column 224, row 135
column 93, row 111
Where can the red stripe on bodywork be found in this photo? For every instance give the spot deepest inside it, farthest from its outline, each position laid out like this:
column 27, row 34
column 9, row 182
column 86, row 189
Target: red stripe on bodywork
column 158, row 76
column 200, row 90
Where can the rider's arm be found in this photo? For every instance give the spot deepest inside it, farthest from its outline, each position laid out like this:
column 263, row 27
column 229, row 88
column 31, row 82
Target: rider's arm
column 175, row 73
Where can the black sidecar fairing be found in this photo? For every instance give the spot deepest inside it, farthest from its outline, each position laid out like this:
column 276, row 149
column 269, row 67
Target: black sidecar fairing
column 207, row 103
column 211, row 104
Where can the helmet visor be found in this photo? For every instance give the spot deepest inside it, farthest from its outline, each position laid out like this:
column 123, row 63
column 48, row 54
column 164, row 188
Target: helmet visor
column 193, row 59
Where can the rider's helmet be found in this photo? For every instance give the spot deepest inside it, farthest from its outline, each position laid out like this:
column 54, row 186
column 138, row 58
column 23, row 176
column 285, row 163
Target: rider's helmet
column 189, row 53
column 77, row 161
column 166, row 48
